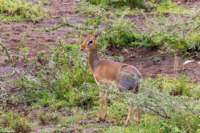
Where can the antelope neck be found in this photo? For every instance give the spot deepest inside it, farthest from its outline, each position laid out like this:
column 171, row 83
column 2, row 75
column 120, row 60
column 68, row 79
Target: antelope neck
column 93, row 59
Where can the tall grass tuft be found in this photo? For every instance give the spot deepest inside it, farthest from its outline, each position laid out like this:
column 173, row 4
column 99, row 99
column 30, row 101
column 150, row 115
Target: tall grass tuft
column 63, row 81
column 19, row 10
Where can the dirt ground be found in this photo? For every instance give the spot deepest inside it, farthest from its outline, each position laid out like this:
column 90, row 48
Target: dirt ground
column 34, row 36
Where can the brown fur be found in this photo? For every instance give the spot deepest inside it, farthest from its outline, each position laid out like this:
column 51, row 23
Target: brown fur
column 125, row 76
column 108, row 71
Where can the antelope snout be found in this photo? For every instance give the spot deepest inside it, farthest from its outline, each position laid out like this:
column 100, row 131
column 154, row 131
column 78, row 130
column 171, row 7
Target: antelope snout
column 83, row 47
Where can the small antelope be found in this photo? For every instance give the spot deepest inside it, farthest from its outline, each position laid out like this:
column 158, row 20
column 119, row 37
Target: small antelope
column 124, row 76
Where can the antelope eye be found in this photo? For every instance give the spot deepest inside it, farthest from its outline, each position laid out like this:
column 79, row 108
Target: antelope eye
column 90, row 42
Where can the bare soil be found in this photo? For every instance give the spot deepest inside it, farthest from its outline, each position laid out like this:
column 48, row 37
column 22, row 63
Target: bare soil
column 152, row 63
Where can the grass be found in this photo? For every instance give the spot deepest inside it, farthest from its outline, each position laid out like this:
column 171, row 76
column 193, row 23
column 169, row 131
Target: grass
column 19, row 10
column 129, row 3
column 120, row 34
column 59, row 87
column 10, row 121
column 169, row 7
column 175, row 110
column 123, row 33
column 69, row 82
column 62, row 82
column 47, row 118
column 162, row 32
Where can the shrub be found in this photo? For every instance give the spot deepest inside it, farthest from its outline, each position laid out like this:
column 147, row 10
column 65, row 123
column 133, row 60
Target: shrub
column 174, row 111
column 120, row 34
column 15, row 122
column 193, row 41
column 131, row 3
column 63, row 81
column 180, row 86
column 161, row 111
column 17, row 10
column 170, row 7
column 48, row 118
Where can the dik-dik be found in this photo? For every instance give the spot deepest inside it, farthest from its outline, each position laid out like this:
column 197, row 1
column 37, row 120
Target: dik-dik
column 124, row 76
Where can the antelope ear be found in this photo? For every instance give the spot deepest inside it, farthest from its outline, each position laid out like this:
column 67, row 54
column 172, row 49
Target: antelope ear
column 97, row 34
column 89, row 34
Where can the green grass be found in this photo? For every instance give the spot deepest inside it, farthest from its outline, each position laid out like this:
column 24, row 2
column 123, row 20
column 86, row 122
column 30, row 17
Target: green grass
column 129, row 3
column 122, row 33
column 169, row 7
column 161, row 31
column 63, row 81
column 47, row 118
column 11, row 121
column 174, row 111
column 19, row 10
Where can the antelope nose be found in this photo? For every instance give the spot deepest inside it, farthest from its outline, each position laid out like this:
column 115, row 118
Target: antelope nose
column 82, row 47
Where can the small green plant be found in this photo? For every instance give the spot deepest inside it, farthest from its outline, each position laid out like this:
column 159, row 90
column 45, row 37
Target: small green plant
column 94, row 21
column 19, row 10
column 170, row 7
column 120, row 34
column 15, row 122
column 193, row 41
column 48, row 118
column 100, row 2
column 119, row 3
column 173, row 86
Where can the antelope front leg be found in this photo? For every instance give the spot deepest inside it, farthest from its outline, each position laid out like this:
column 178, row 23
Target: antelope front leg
column 136, row 115
column 130, row 112
column 103, row 105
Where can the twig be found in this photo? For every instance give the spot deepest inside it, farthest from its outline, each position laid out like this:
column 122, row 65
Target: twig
column 157, row 112
column 9, row 58
column 6, row 51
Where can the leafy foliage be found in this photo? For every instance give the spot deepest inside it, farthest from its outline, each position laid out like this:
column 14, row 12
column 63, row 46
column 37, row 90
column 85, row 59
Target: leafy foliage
column 17, row 10
column 62, row 81
column 131, row 3
column 120, row 34
column 167, row 112
column 14, row 121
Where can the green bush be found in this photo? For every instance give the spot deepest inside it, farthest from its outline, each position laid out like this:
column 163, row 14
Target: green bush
column 171, row 7
column 120, row 34
column 173, row 111
column 130, row 3
column 48, row 118
column 63, row 81
column 193, row 41
column 136, row 3
column 15, row 122
column 174, row 86
column 18, row 10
